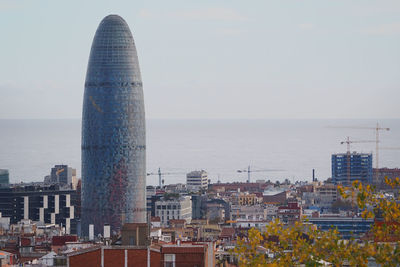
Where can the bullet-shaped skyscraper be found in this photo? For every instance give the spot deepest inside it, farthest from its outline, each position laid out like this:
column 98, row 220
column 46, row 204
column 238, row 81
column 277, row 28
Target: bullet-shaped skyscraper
column 113, row 131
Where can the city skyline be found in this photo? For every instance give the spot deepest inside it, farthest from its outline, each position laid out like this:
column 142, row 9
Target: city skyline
column 269, row 59
column 269, row 136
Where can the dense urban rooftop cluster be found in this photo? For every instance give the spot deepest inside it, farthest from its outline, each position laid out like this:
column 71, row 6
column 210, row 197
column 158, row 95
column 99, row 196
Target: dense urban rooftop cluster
column 197, row 222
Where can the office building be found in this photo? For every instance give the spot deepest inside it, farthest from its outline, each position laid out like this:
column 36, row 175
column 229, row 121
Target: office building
column 348, row 167
column 174, row 208
column 197, row 180
column 4, row 177
column 199, row 206
column 151, row 191
column 151, row 198
column 113, row 131
column 45, row 204
column 346, row 226
column 61, row 174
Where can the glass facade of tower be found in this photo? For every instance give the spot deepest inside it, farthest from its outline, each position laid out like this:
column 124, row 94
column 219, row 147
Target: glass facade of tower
column 352, row 166
column 113, row 131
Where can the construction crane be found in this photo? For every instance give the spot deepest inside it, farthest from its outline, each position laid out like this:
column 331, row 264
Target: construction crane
column 250, row 171
column 377, row 129
column 160, row 174
column 348, row 142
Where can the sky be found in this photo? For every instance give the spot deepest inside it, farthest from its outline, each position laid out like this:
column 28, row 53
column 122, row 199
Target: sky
column 255, row 59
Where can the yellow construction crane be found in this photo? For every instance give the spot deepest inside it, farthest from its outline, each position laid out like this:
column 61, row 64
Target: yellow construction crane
column 348, row 142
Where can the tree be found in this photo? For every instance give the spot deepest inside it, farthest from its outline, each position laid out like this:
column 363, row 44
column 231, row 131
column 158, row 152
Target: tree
column 342, row 205
column 303, row 243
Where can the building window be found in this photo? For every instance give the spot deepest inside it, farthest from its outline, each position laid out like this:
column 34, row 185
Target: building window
column 169, row 260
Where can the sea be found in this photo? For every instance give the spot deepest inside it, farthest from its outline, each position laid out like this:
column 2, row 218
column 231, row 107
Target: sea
column 274, row 149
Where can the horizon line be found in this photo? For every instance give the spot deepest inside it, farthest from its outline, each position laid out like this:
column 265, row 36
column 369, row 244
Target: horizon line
column 220, row 118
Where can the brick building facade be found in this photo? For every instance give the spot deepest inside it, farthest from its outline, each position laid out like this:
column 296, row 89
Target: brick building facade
column 179, row 255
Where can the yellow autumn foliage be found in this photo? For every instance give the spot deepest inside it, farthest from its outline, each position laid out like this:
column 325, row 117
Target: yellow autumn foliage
column 304, row 244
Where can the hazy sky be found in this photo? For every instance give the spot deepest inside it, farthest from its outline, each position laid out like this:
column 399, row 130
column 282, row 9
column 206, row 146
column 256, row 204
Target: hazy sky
column 210, row 58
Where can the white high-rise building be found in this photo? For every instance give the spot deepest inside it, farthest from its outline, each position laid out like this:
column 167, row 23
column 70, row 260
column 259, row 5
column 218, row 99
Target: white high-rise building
column 197, row 180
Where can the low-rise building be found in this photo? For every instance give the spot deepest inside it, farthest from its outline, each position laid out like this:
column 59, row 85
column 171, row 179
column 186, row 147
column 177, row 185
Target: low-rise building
column 251, row 213
column 199, row 254
column 215, row 211
column 325, row 194
column 239, row 187
column 179, row 207
column 246, row 199
column 4, row 223
column 175, row 188
column 261, row 225
column 270, row 212
column 290, row 213
column 7, row 258
column 209, row 232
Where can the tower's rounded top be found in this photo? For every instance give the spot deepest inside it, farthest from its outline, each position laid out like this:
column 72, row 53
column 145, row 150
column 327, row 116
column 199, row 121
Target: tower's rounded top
column 113, row 52
column 113, row 31
column 113, row 20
